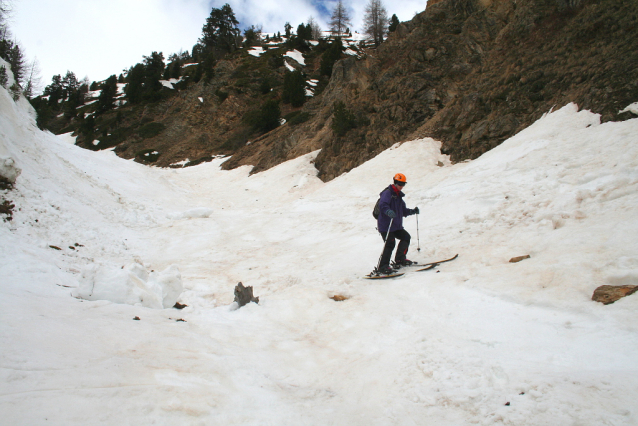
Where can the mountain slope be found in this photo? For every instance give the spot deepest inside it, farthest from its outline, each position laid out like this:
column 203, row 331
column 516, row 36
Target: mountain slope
column 469, row 73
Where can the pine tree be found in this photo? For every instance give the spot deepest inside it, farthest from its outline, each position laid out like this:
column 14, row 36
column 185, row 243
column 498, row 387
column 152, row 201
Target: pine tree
column 394, row 23
column 134, row 87
column 252, row 36
column 294, row 91
column 106, row 100
column 340, row 19
column 330, row 56
column 153, row 71
column 270, row 116
column 304, row 32
column 4, row 78
column 375, row 21
column 17, row 62
column 70, row 85
column 55, row 91
column 220, row 31
column 343, row 119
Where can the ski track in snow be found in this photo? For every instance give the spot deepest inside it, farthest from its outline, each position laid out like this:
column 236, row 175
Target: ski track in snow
column 449, row 346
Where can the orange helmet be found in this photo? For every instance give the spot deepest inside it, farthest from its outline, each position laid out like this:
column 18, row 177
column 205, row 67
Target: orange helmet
column 400, row 177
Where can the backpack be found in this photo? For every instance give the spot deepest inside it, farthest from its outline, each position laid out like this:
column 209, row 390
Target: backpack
column 375, row 211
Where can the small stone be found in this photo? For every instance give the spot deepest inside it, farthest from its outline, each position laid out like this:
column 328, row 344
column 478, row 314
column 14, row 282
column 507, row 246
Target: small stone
column 519, row 258
column 339, row 298
column 136, row 318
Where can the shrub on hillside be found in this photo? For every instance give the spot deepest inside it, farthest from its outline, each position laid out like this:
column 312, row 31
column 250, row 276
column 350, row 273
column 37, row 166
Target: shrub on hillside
column 266, row 118
column 343, row 119
column 297, row 117
column 150, row 130
column 294, row 91
column 330, row 56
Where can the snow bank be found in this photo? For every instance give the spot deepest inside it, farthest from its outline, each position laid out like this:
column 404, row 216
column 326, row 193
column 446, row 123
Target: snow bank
column 256, row 51
column 131, row 285
column 297, row 56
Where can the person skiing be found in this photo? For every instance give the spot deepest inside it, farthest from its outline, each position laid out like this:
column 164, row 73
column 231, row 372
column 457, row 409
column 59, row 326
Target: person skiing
column 392, row 210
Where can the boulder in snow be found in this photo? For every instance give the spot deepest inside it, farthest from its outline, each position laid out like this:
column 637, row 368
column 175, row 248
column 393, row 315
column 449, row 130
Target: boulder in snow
column 607, row 294
column 131, row 285
column 244, row 295
column 8, row 169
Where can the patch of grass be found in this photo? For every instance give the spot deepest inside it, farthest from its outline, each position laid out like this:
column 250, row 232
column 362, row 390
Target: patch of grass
column 150, row 130
column 297, row 117
column 221, row 95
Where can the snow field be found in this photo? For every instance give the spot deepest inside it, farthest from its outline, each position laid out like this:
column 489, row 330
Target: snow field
column 449, row 346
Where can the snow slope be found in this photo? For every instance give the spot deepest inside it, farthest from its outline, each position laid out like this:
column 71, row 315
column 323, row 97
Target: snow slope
column 476, row 341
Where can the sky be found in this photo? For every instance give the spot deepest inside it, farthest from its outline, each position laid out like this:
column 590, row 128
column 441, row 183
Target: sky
column 99, row 38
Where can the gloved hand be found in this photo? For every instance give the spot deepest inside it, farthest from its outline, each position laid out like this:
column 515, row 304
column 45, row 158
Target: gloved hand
column 390, row 213
column 415, row 210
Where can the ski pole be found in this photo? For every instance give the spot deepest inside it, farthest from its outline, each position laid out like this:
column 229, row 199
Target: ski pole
column 418, row 242
column 385, row 243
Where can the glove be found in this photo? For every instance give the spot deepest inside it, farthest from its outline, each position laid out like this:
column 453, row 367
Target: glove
column 390, row 213
column 415, row 210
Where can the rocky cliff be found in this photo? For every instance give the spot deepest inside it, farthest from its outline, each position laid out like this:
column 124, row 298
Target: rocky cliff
column 470, row 73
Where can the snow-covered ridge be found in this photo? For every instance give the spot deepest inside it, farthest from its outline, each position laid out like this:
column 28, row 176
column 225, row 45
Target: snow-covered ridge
column 483, row 341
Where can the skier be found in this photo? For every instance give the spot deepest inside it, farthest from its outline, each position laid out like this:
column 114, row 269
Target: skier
column 392, row 209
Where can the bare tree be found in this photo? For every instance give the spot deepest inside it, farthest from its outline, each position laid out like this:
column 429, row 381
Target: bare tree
column 375, row 22
column 340, row 19
column 5, row 8
column 315, row 28
column 5, row 11
column 33, row 80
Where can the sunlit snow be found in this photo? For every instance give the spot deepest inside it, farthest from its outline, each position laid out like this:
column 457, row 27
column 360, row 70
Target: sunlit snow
column 87, row 337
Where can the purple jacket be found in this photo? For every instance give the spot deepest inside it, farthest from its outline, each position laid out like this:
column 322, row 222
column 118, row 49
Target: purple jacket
column 390, row 200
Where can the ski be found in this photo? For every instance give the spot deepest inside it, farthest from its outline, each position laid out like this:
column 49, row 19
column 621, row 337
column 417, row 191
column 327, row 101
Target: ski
column 375, row 275
column 428, row 266
column 372, row 276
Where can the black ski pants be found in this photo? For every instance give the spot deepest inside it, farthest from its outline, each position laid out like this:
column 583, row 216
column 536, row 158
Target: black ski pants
column 404, row 244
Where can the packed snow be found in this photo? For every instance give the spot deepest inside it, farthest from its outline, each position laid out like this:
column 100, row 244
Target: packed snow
column 296, row 56
column 289, row 67
column 169, row 84
column 100, row 248
column 256, row 51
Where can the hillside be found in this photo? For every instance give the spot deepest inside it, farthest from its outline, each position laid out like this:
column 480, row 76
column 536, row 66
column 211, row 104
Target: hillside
column 470, row 73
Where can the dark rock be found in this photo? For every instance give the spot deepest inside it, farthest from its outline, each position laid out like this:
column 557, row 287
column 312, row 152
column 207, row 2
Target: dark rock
column 519, row 258
column 607, row 294
column 179, row 306
column 244, row 295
